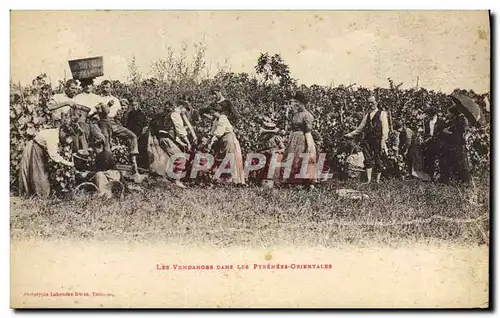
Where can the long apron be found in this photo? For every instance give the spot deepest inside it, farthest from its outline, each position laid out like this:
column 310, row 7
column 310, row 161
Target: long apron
column 229, row 144
column 297, row 146
column 33, row 172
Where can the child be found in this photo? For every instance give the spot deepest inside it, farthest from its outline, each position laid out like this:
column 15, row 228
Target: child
column 271, row 143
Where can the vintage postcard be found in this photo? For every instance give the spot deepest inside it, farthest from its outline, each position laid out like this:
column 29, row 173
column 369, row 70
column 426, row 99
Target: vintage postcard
column 250, row 159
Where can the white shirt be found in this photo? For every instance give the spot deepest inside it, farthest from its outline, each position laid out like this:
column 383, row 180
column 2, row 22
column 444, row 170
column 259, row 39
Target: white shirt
column 48, row 139
column 383, row 119
column 90, row 100
column 432, row 124
column 116, row 105
column 56, row 99
column 178, row 122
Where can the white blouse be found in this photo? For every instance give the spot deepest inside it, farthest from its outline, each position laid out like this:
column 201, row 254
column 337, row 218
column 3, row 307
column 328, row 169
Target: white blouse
column 222, row 126
column 48, row 139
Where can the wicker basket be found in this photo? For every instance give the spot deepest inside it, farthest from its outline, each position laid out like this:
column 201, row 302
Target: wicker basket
column 87, row 68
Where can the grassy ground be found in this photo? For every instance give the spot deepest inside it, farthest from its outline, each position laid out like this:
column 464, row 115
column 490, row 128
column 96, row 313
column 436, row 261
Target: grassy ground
column 396, row 212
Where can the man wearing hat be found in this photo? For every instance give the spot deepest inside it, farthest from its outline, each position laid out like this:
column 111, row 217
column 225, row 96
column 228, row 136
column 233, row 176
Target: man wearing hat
column 271, row 142
column 375, row 128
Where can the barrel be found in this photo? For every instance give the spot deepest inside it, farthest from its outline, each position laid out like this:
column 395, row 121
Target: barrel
column 87, row 68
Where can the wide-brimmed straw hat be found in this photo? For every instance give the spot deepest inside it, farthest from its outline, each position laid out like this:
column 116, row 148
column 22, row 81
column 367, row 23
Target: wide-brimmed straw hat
column 269, row 126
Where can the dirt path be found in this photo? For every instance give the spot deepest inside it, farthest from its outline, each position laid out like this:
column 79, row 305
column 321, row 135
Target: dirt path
column 126, row 274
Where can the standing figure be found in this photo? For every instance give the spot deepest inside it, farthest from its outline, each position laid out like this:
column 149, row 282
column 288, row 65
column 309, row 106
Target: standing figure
column 85, row 112
column 409, row 147
column 33, row 172
column 61, row 104
column 271, row 143
column 135, row 120
column 375, row 129
column 104, row 124
column 431, row 144
column 301, row 143
column 228, row 145
column 454, row 160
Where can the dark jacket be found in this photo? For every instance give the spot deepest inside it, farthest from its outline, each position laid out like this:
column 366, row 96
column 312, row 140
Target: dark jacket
column 161, row 121
column 136, row 121
column 438, row 128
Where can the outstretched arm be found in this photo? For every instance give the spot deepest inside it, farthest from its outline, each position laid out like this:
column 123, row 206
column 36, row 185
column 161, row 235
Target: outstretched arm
column 359, row 129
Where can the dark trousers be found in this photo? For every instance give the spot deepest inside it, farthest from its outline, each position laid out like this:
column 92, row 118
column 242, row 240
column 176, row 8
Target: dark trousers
column 91, row 133
column 430, row 154
column 105, row 127
column 372, row 151
column 110, row 128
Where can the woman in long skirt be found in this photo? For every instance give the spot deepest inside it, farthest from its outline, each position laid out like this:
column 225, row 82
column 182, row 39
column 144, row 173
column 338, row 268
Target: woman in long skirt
column 33, row 173
column 301, row 143
column 163, row 145
column 454, row 159
column 228, row 145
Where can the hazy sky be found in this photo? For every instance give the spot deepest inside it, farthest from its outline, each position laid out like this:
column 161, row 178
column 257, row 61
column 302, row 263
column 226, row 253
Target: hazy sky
column 446, row 49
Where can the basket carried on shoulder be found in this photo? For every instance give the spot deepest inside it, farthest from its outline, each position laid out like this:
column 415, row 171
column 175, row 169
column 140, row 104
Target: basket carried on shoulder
column 87, row 68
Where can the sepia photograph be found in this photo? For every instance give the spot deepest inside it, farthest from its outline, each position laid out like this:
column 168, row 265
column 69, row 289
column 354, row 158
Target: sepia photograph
column 250, row 159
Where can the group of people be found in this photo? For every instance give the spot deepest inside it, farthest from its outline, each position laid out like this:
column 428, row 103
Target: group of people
column 88, row 121
column 440, row 144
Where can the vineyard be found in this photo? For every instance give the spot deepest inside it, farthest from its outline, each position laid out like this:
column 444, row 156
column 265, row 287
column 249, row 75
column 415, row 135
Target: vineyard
column 337, row 110
column 406, row 210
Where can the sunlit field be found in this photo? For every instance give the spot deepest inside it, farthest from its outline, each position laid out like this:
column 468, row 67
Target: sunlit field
column 395, row 212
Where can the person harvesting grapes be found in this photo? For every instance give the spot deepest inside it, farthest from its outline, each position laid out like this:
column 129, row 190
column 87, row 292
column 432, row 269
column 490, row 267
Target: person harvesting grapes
column 33, row 173
column 228, row 146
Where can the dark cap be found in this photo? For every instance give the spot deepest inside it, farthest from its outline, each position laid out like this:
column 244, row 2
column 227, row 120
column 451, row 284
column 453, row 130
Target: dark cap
column 300, row 97
column 431, row 111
